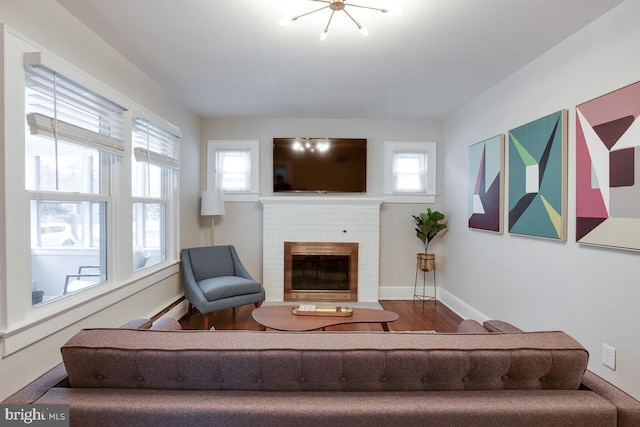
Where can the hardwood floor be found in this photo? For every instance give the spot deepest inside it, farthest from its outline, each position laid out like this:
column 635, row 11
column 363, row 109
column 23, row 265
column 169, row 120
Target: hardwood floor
column 414, row 316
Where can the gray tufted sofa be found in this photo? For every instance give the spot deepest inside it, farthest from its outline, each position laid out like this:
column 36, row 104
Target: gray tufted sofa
column 492, row 374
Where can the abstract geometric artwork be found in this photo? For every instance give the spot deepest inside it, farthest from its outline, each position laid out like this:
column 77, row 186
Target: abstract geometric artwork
column 607, row 164
column 538, row 177
column 486, row 184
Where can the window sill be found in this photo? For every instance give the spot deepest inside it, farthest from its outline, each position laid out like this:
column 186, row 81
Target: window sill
column 241, row 197
column 50, row 318
column 410, row 198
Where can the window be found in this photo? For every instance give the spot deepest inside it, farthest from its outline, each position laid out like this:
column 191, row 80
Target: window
column 410, row 172
column 154, row 171
column 72, row 147
column 233, row 167
column 234, row 170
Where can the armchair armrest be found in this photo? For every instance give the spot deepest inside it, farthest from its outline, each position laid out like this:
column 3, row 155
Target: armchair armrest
column 192, row 291
column 239, row 267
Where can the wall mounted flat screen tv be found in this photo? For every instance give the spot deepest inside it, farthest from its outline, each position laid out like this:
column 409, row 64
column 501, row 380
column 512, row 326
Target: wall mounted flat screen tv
column 320, row 165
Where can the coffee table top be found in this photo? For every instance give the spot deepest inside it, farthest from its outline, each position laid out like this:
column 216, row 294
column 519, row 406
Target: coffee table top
column 279, row 317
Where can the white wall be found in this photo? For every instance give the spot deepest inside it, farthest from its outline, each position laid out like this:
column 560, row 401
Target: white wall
column 242, row 224
column 49, row 25
column 591, row 293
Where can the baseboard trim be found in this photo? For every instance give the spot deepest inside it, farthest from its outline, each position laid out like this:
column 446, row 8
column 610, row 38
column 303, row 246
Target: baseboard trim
column 457, row 305
column 176, row 310
column 460, row 307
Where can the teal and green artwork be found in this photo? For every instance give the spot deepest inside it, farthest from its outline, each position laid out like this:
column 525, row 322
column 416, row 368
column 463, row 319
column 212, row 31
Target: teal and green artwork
column 538, row 177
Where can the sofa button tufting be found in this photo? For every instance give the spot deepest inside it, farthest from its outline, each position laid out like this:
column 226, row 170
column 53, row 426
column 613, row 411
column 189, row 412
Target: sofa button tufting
column 465, row 379
column 383, row 379
column 543, row 379
column 100, row 377
column 180, row 379
column 259, row 381
column 302, row 379
column 220, row 380
column 505, row 377
column 140, row 378
column 343, row 380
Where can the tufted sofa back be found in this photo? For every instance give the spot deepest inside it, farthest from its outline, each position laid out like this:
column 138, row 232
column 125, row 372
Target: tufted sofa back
column 323, row 361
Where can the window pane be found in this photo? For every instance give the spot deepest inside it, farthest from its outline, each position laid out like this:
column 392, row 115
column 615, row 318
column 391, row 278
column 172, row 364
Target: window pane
column 408, row 164
column 149, row 234
column 408, row 183
column 409, row 172
column 67, row 247
column 69, row 167
column 234, row 170
column 146, row 180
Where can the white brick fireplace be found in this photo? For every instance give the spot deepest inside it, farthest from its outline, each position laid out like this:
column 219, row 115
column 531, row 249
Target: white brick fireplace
column 321, row 218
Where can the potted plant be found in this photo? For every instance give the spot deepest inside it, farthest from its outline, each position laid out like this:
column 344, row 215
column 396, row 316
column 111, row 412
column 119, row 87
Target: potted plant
column 428, row 225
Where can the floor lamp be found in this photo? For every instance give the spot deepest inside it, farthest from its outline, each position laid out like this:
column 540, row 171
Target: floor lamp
column 212, row 204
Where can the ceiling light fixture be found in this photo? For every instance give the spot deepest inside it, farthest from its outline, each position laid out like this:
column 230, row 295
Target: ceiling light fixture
column 335, row 6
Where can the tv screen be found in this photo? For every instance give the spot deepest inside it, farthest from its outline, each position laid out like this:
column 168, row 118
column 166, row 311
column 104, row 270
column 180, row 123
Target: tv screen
column 320, row 165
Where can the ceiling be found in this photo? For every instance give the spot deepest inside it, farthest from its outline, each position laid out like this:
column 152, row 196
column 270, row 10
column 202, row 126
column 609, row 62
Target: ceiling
column 234, row 59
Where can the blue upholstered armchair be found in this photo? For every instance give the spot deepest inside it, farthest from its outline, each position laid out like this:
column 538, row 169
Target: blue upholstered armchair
column 214, row 279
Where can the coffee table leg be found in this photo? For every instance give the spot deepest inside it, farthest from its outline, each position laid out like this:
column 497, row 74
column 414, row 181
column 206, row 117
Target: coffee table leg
column 385, row 326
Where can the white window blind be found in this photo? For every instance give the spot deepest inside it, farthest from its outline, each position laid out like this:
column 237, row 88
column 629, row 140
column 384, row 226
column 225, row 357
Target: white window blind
column 234, row 170
column 61, row 109
column 155, row 145
column 409, row 171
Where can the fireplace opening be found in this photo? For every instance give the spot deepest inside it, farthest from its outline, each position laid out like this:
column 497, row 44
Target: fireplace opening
column 320, row 271
column 330, row 272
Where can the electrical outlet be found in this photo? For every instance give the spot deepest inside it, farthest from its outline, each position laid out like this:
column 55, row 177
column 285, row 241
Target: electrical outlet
column 609, row 356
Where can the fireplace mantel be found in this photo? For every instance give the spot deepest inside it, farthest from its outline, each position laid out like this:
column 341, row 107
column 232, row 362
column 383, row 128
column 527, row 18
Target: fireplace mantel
column 320, row 199
column 321, row 218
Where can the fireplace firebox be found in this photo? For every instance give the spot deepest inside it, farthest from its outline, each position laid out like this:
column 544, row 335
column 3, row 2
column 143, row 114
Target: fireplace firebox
column 320, row 271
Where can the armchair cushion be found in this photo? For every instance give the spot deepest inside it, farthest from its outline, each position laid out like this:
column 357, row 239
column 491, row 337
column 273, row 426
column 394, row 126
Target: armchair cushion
column 228, row 286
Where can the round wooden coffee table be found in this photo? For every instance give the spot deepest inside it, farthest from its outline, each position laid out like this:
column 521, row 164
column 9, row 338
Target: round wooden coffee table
column 279, row 317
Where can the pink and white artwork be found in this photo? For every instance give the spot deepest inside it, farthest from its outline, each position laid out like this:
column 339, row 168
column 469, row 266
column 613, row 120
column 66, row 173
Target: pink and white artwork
column 608, row 168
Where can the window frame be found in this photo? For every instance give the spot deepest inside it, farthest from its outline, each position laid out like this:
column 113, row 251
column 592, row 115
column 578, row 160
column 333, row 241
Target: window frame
column 253, row 147
column 169, row 170
column 418, row 147
column 99, row 125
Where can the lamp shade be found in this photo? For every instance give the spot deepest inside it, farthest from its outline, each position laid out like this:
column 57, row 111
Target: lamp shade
column 212, row 203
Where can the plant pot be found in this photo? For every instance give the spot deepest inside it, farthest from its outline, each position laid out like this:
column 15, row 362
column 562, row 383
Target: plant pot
column 426, row 262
